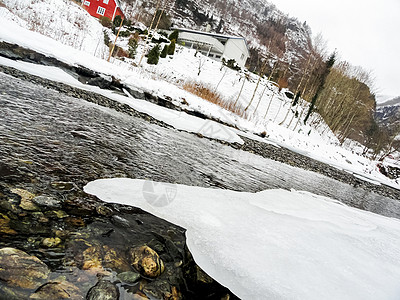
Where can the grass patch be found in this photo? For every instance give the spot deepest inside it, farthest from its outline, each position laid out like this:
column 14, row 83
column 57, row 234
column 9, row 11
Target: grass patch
column 209, row 94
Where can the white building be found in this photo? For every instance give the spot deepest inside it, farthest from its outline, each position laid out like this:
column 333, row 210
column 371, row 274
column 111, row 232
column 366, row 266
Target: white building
column 216, row 46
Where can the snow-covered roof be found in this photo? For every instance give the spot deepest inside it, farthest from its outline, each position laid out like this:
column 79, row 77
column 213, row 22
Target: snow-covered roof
column 202, row 39
column 214, row 35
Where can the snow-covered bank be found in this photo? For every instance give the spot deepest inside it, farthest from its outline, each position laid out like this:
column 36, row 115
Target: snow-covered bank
column 166, row 79
column 275, row 244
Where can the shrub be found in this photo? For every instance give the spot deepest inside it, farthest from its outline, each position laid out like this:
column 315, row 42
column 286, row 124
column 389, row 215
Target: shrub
column 174, row 35
column 117, row 21
column 121, row 52
column 231, row 63
column 154, row 55
column 171, row 48
column 125, row 33
column 106, row 38
column 106, row 22
column 164, row 52
column 212, row 96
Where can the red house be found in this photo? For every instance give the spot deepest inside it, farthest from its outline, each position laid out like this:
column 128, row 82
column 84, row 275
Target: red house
column 103, row 8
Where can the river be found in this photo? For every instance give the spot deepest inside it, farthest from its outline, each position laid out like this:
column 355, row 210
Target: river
column 54, row 137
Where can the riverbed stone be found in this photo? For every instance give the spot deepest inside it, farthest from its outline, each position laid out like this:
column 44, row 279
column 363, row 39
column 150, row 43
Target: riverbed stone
column 51, row 242
column 46, row 201
column 129, row 277
column 146, row 261
column 19, row 269
column 26, row 199
column 57, row 291
column 5, row 225
column 103, row 290
column 114, row 259
column 92, row 259
column 62, row 186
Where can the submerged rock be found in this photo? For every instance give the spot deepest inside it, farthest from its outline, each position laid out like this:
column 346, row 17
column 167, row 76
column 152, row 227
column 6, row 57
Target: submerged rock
column 146, row 261
column 57, row 291
column 19, row 269
column 103, row 290
column 46, row 201
column 26, row 199
column 51, row 242
column 129, row 277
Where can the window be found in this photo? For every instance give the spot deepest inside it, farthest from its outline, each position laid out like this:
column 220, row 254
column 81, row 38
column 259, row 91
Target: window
column 87, row 3
column 217, row 56
column 105, row 1
column 101, row 10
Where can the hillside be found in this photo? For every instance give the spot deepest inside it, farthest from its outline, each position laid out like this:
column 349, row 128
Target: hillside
column 269, row 32
column 390, row 102
column 283, row 49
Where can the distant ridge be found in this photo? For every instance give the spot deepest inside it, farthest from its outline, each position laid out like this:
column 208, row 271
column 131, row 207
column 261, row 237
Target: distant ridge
column 392, row 102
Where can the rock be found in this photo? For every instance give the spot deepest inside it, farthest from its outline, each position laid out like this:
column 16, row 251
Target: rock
column 57, row 290
column 56, row 214
column 174, row 294
column 76, row 222
column 92, row 259
column 5, row 225
column 46, row 201
column 129, row 277
column 62, row 186
column 103, row 210
column 146, row 261
column 19, row 269
column 120, row 221
column 26, row 199
column 103, row 290
column 39, row 216
column 114, row 260
column 203, row 276
column 139, row 296
column 51, row 242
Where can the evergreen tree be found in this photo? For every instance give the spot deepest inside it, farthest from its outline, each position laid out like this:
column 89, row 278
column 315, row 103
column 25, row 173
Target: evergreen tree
column 171, row 48
column 219, row 27
column 328, row 65
column 174, row 35
column 132, row 46
column 154, row 55
column 164, row 52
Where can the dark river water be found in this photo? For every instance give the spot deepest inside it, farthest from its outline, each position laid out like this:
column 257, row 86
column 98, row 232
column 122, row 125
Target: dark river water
column 55, row 137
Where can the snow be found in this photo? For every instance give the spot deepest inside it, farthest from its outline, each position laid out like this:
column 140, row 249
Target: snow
column 167, row 80
column 275, row 244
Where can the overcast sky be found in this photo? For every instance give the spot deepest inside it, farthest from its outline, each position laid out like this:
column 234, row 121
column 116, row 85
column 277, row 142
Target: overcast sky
column 365, row 32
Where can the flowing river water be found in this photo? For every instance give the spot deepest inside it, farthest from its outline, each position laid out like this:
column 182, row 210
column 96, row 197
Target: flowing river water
column 60, row 138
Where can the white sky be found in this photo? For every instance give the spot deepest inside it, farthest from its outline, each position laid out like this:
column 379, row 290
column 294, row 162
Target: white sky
column 365, row 32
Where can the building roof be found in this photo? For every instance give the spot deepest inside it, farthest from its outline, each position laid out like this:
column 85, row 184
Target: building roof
column 203, row 39
column 214, row 35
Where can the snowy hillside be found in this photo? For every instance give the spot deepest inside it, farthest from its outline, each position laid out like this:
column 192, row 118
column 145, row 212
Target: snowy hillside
column 251, row 19
column 62, row 20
